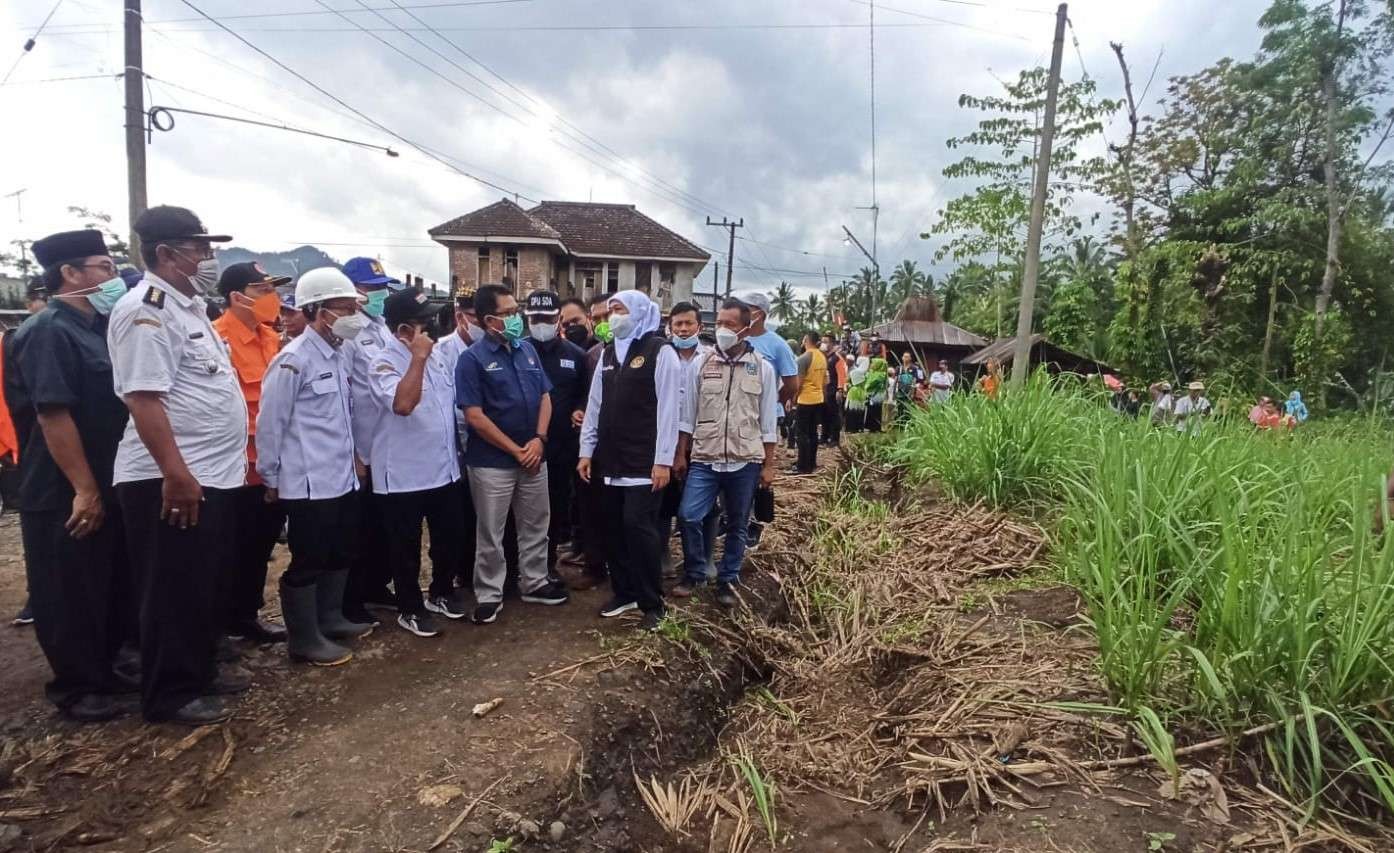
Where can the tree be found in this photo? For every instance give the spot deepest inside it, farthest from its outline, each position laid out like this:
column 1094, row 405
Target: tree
column 782, row 306
column 909, row 280
column 988, row 224
column 102, row 222
column 814, row 314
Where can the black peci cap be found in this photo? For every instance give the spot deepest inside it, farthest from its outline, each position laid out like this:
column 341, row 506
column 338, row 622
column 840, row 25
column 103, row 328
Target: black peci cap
column 56, row 249
column 542, row 302
column 410, row 305
column 164, row 223
column 238, row 276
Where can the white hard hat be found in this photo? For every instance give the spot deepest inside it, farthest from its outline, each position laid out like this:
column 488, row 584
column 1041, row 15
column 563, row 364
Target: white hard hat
column 323, row 283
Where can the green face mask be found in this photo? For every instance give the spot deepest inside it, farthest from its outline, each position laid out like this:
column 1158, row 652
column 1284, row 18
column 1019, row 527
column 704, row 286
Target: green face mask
column 376, row 300
column 513, row 328
column 603, row 333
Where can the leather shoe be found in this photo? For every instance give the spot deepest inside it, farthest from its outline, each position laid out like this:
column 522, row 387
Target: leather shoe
column 203, row 711
column 226, row 651
column 98, row 708
column 259, row 631
column 230, row 680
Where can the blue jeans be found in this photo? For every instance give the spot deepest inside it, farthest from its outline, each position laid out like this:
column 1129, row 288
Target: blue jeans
column 737, row 490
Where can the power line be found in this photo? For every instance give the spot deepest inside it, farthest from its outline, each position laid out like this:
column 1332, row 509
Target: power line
column 947, row 21
column 562, row 28
column 787, row 249
column 345, row 105
column 446, row 4
column 155, row 113
column 29, row 45
column 117, row 76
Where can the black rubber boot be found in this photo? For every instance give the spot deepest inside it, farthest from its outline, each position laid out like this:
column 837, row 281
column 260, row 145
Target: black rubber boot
column 331, row 609
column 306, row 643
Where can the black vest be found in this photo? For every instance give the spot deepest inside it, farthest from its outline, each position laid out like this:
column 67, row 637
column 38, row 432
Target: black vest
column 629, row 410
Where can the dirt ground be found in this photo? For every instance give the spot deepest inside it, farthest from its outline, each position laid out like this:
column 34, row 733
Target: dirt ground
column 383, row 754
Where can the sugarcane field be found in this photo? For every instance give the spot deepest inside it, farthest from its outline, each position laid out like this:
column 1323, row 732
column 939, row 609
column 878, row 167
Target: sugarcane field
column 591, row 426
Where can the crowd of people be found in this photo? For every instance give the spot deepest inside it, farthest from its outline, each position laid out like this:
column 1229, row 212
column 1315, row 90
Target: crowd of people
column 1185, row 413
column 551, row 445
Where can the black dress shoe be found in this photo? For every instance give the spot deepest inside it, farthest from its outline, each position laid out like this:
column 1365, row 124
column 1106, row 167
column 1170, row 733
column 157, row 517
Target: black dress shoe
column 97, row 708
column 259, row 631
column 226, row 651
column 203, row 711
column 230, row 680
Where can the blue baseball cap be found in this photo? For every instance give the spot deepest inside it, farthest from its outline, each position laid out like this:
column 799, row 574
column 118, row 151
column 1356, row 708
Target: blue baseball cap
column 369, row 272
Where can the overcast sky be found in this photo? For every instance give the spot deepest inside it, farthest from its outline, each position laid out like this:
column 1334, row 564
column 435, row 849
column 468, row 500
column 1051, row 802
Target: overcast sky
column 743, row 108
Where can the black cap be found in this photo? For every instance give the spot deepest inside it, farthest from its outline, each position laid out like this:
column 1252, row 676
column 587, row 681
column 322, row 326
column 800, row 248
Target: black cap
column 56, row 249
column 410, row 305
column 238, row 276
column 164, row 223
column 542, row 302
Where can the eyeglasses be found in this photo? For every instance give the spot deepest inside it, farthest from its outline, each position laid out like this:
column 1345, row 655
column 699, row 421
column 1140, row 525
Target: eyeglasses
column 105, row 266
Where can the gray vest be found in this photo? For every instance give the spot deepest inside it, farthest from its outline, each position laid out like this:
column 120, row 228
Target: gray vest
column 727, row 427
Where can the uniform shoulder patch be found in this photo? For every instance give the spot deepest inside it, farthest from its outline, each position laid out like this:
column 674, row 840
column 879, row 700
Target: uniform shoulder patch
column 285, row 365
column 154, row 296
column 385, row 368
column 146, row 321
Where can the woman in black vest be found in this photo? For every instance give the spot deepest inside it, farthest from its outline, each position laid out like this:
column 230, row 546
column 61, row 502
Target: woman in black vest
column 628, row 438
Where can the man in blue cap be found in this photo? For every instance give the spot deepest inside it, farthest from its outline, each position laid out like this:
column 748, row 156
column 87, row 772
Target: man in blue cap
column 371, row 571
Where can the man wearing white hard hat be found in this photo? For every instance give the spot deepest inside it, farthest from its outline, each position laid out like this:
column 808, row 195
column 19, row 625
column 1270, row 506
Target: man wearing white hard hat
column 305, row 456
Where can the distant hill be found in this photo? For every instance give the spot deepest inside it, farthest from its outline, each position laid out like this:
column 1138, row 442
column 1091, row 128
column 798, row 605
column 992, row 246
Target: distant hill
column 290, row 263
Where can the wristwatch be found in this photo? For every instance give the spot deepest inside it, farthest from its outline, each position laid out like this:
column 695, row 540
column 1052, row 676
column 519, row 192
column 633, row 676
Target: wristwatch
column 540, row 437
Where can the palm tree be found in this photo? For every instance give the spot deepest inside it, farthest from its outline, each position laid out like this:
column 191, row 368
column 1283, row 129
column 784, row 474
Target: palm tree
column 908, row 280
column 814, row 315
column 782, row 306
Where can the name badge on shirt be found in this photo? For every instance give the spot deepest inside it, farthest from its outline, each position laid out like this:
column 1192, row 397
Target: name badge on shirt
column 493, row 365
column 567, row 362
column 751, row 369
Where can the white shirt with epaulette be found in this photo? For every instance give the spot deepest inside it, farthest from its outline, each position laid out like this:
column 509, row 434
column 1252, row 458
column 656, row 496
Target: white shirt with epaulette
column 161, row 341
column 414, row 452
column 359, row 354
column 305, row 427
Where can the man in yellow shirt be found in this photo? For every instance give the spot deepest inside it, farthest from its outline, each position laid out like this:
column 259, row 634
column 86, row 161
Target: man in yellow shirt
column 813, row 381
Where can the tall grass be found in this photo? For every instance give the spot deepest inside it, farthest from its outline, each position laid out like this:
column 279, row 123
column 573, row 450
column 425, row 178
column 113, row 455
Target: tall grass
column 1232, row 579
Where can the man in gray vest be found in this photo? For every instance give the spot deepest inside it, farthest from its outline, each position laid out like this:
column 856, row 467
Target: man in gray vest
column 729, row 419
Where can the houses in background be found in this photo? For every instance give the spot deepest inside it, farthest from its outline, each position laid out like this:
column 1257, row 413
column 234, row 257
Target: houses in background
column 576, row 248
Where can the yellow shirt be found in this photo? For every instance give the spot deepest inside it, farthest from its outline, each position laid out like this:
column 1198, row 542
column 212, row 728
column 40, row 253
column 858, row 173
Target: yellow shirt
column 815, row 380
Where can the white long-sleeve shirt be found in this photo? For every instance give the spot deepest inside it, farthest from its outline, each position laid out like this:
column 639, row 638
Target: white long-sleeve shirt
column 358, row 357
column 667, row 380
column 305, row 427
column 412, row 452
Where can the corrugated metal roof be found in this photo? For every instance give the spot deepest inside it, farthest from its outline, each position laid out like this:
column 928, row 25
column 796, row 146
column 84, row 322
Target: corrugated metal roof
column 1002, row 349
column 925, row 332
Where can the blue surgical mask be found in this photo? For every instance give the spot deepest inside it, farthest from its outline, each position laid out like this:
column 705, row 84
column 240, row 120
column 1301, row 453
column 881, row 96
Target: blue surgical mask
column 685, row 343
column 102, row 297
column 377, row 299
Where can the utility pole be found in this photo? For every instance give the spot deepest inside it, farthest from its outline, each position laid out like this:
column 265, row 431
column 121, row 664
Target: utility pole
column 1021, row 357
column 875, row 269
column 135, row 125
column 731, row 250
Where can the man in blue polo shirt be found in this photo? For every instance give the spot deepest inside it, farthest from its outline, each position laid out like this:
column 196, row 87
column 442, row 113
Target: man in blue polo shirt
column 502, row 386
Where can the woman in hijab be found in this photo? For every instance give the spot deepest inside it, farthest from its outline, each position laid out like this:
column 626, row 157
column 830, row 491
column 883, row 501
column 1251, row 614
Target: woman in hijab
column 1296, row 409
column 628, row 439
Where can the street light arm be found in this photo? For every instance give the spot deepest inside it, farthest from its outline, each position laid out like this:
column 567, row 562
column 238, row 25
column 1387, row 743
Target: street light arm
column 858, row 244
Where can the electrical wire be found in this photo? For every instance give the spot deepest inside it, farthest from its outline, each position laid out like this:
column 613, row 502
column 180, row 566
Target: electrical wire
column 554, row 28
column 29, row 44
column 444, row 4
column 945, row 21
column 156, row 112
column 117, row 76
column 341, row 102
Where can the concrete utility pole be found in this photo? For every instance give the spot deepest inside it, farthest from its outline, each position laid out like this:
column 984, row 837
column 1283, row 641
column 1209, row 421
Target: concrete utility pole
column 1021, row 357
column 731, row 250
column 875, row 269
column 135, row 125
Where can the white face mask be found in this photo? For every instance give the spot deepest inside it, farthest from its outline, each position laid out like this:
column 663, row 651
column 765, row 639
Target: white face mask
column 726, row 339
column 205, row 279
column 622, row 326
column 542, row 332
column 476, row 333
column 350, row 326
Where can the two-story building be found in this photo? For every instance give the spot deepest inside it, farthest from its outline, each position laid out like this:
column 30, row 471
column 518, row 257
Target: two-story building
column 576, row 248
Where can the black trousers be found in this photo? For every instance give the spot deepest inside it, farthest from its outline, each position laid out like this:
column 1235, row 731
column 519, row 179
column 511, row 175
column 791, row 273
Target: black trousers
column 179, row 572
column 83, row 595
column 402, row 514
column 787, row 429
column 873, row 416
column 632, row 545
column 594, row 529
column 371, row 569
column 321, row 534
column 256, row 524
column 832, row 419
column 806, row 427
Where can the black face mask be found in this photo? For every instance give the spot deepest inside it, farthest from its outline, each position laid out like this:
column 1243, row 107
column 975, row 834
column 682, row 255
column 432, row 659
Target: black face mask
column 577, row 334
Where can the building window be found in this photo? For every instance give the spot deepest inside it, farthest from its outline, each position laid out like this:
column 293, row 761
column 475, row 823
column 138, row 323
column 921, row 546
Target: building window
column 588, row 275
column 667, row 277
column 612, row 279
column 482, row 273
column 510, row 265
